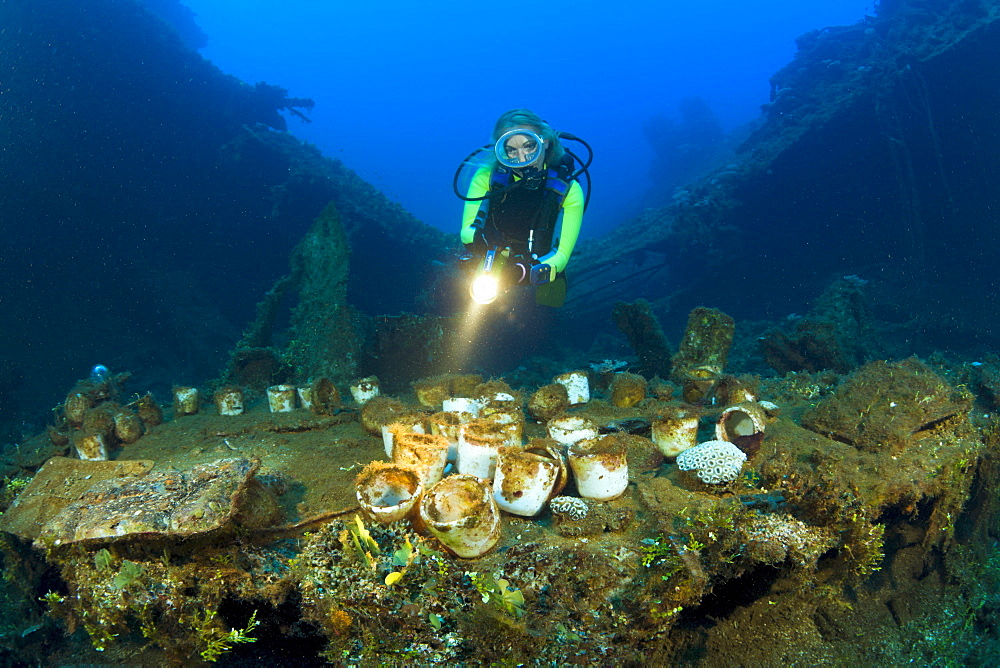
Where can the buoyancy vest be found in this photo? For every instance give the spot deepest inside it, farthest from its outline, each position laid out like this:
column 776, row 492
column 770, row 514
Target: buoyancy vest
column 521, row 210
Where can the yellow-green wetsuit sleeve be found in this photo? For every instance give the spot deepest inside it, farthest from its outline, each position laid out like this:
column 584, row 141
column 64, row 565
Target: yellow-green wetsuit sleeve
column 479, row 187
column 572, row 218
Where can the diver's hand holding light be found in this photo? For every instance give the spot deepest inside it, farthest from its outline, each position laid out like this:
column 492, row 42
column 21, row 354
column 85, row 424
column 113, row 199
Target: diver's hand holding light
column 498, row 271
column 485, row 287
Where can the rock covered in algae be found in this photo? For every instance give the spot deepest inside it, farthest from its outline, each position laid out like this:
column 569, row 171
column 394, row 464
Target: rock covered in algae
column 627, row 389
column 835, row 334
column 986, row 380
column 381, row 411
column 548, row 401
column 61, row 482
column 773, row 538
column 884, row 405
column 166, row 503
column 574, row 517
column 432, row 391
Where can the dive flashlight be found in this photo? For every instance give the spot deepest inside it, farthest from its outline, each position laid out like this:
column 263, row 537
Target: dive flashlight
column 485, row 286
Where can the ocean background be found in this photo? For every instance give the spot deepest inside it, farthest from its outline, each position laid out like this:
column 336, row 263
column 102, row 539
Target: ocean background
column 405, row 90
column 812, row 183
column 118, row 250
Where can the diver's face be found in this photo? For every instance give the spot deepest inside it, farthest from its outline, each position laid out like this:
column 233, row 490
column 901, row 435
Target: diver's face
column 524, row 150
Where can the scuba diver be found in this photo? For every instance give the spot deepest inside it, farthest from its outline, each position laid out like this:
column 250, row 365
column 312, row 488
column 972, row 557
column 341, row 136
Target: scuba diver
column 513, row 207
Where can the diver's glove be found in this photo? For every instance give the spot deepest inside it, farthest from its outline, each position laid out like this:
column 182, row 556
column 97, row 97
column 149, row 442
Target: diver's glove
column 485, row 240
column 474, row 252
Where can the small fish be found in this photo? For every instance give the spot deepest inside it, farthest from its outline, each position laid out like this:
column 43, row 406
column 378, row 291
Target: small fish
column 637, row 426
column 30, row 630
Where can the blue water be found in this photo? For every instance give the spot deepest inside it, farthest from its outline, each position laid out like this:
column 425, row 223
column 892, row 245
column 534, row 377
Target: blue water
column 404, row 90
column 117, row 214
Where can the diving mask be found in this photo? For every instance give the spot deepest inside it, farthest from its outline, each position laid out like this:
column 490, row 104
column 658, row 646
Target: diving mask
column 519, row 148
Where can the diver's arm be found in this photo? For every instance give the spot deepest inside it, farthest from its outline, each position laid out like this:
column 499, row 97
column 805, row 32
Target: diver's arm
column 479, row 187
column 572, row 210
